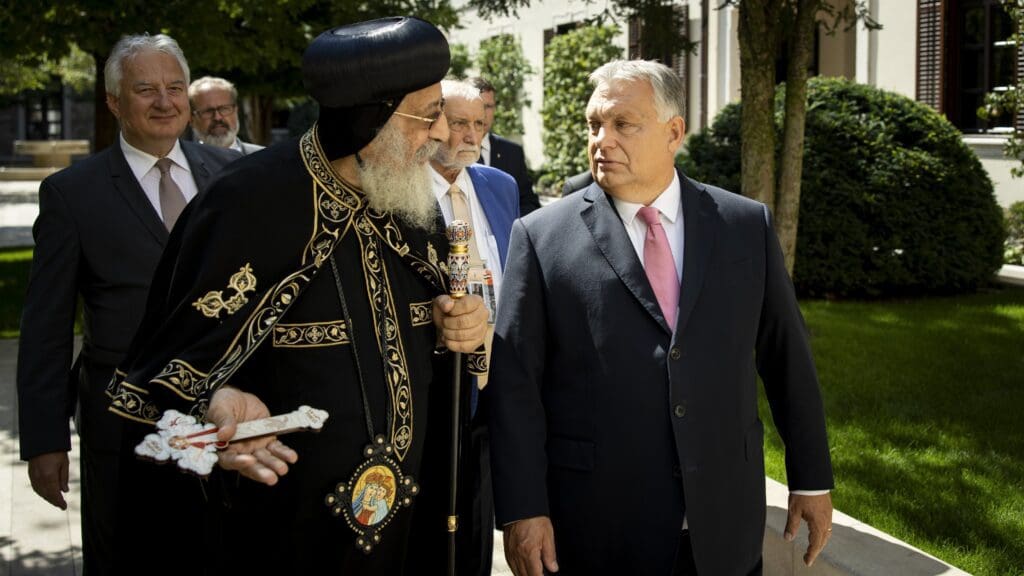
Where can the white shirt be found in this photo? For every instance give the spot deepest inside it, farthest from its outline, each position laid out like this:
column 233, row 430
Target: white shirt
column 486, row 243
column 670, row 212
column 485, row 148
column 143, row 165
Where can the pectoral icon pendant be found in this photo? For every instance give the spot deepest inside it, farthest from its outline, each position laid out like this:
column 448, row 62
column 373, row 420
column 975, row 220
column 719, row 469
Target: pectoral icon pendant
column 375, row 493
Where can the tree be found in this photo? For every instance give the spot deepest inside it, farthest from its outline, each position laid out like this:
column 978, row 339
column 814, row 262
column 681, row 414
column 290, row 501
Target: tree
column 258, row 45
column 1010, row 101
column 568, row 62
column 461, row 61
column 765, row 27
column 500, row 60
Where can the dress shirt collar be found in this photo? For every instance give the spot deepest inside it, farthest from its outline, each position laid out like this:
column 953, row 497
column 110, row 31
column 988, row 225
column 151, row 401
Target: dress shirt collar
column 667, row 203
column 441, row 185
column 142, row 162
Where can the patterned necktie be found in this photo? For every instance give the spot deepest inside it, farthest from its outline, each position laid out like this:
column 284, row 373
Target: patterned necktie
column 460, row 211
column 660, row 265
column 172, row 201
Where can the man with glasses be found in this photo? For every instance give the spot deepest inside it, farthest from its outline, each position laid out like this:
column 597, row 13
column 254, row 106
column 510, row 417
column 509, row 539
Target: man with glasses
column 215, row 114
column 313, row 273
column 488, row 200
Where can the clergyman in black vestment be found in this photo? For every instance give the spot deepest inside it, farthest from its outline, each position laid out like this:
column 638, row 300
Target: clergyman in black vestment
column 312, row 273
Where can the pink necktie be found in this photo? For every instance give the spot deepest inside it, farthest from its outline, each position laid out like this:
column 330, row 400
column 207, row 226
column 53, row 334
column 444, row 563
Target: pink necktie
column 660, row 265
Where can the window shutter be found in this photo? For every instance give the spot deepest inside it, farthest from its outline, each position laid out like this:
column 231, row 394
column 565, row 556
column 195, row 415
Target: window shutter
column 1019, row 124
column 635, row 27
column 929, row 52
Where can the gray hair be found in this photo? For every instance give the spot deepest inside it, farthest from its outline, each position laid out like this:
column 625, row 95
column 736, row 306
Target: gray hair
column 211, row 83
column 459, row 89
column 130, row 46
column 669, row 90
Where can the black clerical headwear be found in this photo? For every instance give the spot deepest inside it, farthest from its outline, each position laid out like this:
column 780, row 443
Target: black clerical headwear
column 359, row 73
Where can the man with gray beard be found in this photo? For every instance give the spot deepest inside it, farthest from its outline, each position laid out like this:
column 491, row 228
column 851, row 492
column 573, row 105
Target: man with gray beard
column 488, row 199
column 311, row 274
column 214, row 104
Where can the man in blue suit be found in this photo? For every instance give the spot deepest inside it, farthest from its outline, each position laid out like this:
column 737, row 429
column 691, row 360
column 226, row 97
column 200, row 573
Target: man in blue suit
column 636, row 315
column 488, row 199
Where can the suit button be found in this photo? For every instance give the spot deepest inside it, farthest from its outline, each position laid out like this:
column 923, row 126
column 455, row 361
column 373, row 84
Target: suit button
column 680, row 410
column 674, row 353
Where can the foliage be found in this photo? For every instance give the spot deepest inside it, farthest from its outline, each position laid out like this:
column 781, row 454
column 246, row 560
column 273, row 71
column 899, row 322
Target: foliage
column 257, row 45
column 20, row 73
column 500, row 60
column 923, row 404
column 568, row 62
column 461, row 61
column 1014, row 252
column 1012, row 100
column 893, row 201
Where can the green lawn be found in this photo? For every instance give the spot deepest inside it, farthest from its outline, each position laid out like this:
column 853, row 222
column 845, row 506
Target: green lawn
column 925, row 408
column 14, row 265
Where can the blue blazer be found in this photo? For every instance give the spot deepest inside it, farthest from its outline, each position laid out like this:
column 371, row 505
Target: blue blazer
column 499, row 198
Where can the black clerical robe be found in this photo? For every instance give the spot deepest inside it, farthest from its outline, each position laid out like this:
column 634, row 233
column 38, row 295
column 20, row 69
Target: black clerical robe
column 253, row 293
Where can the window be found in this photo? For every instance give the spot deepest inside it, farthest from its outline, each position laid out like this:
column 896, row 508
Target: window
column 679, row 62
column 964, row 52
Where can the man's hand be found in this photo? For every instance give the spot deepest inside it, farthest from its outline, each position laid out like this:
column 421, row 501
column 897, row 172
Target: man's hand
column 49, row 476
column 817, row 511
column 530, row 546
column 461, row 323
column 261, row 459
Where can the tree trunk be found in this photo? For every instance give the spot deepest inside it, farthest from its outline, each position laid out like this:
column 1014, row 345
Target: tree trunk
column 758, row 20
column 105, row 125
column 259, row 111
column 787, row 204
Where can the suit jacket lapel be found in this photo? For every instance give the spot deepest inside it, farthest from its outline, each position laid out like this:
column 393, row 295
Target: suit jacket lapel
column 609, row 234
column 124, row 181
column 196, row 164
column 501, row 224
column 699, row 242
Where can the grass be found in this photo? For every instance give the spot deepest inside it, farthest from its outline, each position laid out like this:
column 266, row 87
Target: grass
column 14, row 266
column 924, row 403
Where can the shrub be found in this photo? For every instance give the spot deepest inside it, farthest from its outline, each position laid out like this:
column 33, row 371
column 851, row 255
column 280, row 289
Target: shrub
column 892, row 201
column 501, row 61
column 1014, row 253
column 568, row 61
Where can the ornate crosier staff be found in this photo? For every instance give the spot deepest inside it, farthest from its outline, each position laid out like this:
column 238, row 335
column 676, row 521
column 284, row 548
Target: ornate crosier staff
column 459, row 233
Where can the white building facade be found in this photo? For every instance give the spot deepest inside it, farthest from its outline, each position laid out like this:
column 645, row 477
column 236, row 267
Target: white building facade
column 946, row 53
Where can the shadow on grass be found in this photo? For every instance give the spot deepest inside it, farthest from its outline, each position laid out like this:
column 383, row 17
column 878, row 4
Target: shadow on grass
column 923, row 400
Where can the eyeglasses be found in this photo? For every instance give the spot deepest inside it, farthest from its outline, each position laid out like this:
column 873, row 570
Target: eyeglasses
column 208, row 113
column 429, row 121
column 459, row 126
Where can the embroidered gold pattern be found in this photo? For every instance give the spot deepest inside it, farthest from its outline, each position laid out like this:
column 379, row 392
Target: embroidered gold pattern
column 339, row 208
column 476, row 363
column 213, row 303
column 421, row 313
column 312, row 335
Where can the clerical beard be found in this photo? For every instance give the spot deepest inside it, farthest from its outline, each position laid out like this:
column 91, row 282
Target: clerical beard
column 395, row 183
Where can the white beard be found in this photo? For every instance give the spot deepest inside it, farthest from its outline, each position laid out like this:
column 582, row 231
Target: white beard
column 398, row 185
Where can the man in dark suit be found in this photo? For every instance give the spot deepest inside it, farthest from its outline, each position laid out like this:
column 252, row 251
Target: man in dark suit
column 625, row 430
column 102, row 225
column 502, row 153
column 215, row 114
column 488, row 199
